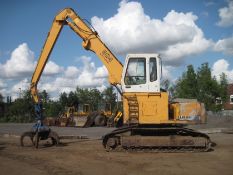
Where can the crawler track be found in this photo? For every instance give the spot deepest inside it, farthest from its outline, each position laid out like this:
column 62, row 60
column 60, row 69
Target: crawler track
column 156, row 139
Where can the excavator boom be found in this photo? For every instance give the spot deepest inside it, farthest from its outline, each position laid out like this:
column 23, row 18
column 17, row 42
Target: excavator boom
column 91, row 41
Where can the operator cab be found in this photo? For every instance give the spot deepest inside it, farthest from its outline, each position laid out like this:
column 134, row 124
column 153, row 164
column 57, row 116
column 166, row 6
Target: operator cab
column 142, row 73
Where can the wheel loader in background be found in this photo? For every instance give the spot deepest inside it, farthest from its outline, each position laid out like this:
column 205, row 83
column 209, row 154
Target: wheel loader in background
column 84, row 116
column 151, row 121
column 75, row 116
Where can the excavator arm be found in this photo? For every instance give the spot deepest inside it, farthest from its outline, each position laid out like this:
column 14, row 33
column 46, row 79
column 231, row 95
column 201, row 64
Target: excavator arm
column 91, row 41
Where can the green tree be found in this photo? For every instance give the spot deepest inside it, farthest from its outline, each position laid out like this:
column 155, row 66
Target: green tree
column 223, row 87
column 83, row 95
column 52, row 109
column 202, row 86
column 1, row 98
column 63, row 99
column 2, row 106
column 208, row 88
column 8, row 100
column 109, row 96
column 89, row 96
column 21, row 110
column 186, row 86
column 73, row 99
column 44, row 96
column 95, row 98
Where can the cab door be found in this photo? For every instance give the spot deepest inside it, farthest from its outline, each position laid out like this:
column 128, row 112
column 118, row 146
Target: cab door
column 142, row 73
column 135, row 79
column 153, row 74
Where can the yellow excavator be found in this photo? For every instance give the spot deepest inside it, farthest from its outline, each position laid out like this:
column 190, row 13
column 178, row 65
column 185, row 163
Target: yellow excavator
column 151, row 121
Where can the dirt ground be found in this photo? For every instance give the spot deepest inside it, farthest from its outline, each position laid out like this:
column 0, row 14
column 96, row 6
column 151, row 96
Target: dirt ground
column 82, row 157
column 88, row 157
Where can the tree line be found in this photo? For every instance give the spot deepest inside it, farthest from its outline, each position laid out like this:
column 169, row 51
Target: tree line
column 194, row 84
column 201, row 85
column 22, row 109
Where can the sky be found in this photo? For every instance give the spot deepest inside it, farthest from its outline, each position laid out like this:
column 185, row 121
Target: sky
column 182, row 32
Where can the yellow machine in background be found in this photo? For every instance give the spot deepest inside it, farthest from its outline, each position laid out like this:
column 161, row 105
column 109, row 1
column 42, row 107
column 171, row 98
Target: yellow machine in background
column 106, row 109
column 84, row 116
column 87, row 117
column 75, row 116
column 151, row 121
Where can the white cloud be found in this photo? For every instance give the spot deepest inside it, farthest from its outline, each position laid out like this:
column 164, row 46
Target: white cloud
column 87, row 76
column 166, row 72
column 72, row 72
column 222, row 66
column 4, row 92
column 18, row 69
column 225, row 45
column 101, row 88
column 2, row 84
column 18, row 88
column 20, row 64
column 52, row 68
column 21, row 85
column 101, row 72
column 3, row 88
column 131, row 30
column 226, row 15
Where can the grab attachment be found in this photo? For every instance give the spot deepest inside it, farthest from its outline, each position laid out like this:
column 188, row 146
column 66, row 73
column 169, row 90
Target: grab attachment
column 37, row 133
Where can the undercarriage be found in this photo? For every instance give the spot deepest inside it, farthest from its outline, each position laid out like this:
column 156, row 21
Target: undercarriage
column 156, row 139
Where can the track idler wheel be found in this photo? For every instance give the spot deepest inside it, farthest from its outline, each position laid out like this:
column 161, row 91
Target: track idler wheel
column 112, row 143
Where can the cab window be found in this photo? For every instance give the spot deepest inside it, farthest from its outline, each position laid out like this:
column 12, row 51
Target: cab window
column 153, row 69
column 136, row 71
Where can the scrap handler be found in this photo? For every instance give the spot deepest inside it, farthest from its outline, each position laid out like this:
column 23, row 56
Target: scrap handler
column 151, row 121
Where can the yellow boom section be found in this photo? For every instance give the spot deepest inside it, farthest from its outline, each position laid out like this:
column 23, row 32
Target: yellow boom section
column 91, row 41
